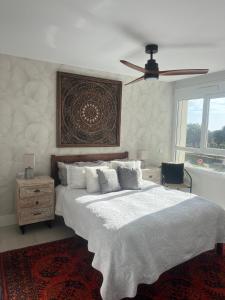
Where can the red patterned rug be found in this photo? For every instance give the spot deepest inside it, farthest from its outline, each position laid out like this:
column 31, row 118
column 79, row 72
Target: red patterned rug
column 62, row 270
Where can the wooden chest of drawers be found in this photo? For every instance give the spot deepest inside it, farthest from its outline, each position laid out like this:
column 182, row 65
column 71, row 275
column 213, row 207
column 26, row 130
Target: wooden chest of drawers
column 152, row 173
column 35, row 200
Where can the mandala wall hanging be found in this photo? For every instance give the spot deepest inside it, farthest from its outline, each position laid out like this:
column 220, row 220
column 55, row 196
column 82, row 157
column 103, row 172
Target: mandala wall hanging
column 88, row 111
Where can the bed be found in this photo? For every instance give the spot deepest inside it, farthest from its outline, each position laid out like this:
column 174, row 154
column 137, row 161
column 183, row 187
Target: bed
column 137, row 235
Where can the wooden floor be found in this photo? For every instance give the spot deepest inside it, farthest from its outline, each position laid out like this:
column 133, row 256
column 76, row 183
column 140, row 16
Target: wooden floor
column 11, row 237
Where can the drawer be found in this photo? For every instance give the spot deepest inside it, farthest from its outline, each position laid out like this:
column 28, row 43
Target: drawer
column 40, row 201
column 32, row 215
column 35, row 191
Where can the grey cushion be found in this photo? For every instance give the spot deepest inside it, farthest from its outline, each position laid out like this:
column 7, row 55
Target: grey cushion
column 62, row 173
column 108, row 180
column 129, row 179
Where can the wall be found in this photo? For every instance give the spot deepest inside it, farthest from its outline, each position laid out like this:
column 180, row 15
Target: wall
column 28, row 112
column 206, row 183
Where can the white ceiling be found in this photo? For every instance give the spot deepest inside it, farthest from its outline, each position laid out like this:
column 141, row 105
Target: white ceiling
column 96, row 34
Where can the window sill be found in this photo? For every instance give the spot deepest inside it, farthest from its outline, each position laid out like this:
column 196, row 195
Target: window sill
column 201, row 170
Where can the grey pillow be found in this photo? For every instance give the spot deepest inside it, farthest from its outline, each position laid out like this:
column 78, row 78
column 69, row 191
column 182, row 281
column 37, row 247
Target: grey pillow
column 129, row 179
column 62, row 173
column 108, row 180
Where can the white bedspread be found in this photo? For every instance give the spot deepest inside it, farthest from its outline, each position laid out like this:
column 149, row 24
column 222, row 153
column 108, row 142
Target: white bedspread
column 138, row 235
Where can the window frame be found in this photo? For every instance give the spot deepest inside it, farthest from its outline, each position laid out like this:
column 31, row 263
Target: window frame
column 191, row 94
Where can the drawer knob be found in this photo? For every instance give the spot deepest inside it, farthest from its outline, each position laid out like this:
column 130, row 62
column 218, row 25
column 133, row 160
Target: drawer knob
column 37, row 202
column 37, row 191
column 150, row 176
column 37, row 213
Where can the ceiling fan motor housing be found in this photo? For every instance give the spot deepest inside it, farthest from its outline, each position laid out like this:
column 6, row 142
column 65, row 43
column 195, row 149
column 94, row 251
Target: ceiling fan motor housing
column 151, row 48
column 152, row 66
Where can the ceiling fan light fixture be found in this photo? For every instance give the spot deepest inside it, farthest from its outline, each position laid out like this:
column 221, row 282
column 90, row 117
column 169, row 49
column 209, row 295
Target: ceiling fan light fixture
column 153, row 68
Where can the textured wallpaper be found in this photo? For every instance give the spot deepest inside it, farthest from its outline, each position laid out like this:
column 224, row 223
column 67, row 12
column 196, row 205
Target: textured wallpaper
column 28, row 119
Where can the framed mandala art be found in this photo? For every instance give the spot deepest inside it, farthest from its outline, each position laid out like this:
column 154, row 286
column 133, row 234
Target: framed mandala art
column 88, row 111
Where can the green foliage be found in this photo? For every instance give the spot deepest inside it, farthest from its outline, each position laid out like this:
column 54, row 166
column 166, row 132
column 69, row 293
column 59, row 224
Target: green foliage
column 216, row 139
column 193, row 135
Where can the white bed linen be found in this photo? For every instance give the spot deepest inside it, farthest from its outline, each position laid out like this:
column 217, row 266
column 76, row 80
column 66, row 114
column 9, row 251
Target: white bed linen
column 138, row 235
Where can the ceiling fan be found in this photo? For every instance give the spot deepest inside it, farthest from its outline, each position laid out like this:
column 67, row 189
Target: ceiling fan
column 151, row 70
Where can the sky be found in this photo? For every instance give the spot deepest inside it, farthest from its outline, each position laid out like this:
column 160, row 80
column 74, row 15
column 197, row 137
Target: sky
column 216, row 113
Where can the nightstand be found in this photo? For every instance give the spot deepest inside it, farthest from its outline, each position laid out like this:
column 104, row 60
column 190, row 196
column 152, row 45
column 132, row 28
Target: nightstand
column 152, row 173
column 35, row 201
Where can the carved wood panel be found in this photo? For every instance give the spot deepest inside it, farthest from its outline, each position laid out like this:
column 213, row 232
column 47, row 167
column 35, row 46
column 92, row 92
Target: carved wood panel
column 88, row 111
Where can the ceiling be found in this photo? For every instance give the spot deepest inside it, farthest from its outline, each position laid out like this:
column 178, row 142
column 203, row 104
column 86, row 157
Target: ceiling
column 96, row 34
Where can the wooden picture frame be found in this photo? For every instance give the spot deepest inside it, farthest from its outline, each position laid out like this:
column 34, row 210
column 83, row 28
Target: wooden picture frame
column 88, row 111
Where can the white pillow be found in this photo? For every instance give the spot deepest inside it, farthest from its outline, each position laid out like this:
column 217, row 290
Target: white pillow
column 73, row 175
column 92, row 163
column 76, row 177
column 131, row 164
column 123, row 164
column 92, row 178
column 137, row 164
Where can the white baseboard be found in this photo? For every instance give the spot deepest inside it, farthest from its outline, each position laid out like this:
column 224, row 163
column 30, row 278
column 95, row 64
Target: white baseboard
column 7, row 220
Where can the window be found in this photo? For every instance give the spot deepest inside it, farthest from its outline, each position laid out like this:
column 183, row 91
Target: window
column 216, row 129
column 190, row 121
column 213, row 162
column 200, row 136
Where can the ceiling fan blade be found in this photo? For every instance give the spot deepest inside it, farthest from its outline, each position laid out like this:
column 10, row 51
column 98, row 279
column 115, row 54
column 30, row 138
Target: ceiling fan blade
column 132, row 66
column 135, row 80
column 184, row 72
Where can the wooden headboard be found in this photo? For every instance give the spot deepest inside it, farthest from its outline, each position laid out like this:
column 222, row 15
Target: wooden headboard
column 69, row 159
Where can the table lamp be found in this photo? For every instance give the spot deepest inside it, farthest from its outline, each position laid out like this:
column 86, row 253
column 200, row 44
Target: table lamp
column 142, row 155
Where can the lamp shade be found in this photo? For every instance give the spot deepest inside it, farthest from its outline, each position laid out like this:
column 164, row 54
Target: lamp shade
column 142, row 154
column 29, row 160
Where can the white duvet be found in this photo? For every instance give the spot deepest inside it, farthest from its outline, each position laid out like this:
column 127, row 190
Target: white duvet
column 138, row 235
